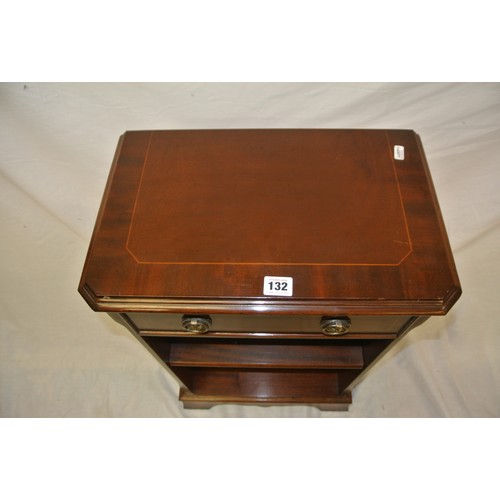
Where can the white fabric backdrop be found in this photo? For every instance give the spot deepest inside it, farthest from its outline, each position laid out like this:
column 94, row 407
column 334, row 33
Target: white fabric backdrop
column 60, row 359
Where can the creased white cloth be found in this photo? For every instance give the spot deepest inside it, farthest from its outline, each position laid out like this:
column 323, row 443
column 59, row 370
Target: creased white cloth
column 60, row 359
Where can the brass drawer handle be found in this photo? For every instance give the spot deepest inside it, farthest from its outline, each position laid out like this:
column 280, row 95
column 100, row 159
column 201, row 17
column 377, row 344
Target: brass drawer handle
column 196, row 324
column 335, row 326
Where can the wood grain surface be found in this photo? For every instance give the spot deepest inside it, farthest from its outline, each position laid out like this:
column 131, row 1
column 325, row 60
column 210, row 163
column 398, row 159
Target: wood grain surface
column 202, row 216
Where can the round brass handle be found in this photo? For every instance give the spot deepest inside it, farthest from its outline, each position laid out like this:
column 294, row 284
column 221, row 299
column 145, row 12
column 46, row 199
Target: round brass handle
column 335, row 326
column 196, row 324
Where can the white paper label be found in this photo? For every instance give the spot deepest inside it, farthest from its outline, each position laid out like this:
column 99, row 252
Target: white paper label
column 399, row 152
column 278, row 285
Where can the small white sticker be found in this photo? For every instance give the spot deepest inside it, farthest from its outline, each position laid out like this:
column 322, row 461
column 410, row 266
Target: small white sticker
column 399, row 152
column 278, row 285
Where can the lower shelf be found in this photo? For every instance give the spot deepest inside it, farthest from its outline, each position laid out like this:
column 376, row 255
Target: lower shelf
column 264, row 387
column 313, row 373
column 196, row 401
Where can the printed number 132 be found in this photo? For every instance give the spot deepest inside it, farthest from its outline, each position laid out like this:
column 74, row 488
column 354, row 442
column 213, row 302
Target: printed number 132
column 278, row 286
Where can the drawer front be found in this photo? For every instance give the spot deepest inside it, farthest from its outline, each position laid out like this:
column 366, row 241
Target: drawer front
column 238, row 325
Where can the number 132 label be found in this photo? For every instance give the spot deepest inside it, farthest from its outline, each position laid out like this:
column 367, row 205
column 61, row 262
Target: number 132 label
column 278, row 285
